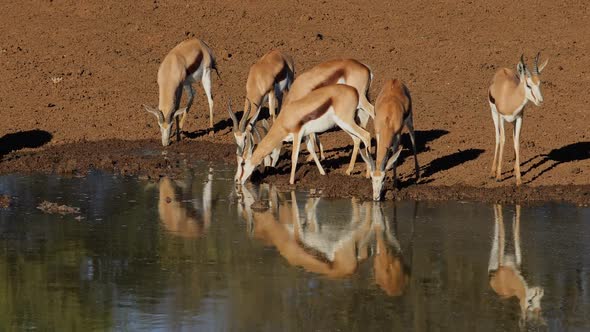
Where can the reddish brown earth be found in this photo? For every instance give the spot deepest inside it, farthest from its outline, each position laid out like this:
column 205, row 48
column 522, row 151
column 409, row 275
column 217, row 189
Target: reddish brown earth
column 103, row 57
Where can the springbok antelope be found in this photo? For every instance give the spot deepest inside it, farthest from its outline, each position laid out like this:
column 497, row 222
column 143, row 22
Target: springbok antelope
column 393, row 111
column 182, row 219
column 186, row 63
column 504, row 270
column 320, row 110
column 267, row 79
column 344, row 71
column 508, row 95
column 329, row 251
column 253, row 136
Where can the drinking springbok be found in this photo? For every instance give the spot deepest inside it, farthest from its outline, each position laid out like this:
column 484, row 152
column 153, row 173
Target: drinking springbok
column 186, row 63
column 508, row 95
column 267, row 79
column 320, row 110
column 344, row 71
column 393, row 111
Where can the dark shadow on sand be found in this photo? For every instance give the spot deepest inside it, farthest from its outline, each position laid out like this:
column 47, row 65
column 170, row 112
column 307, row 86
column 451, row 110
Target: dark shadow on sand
column 566, row 154
column 450, row 161
column 23, row 139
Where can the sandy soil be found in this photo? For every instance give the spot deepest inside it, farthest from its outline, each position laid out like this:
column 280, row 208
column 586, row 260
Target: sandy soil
column 74, row 76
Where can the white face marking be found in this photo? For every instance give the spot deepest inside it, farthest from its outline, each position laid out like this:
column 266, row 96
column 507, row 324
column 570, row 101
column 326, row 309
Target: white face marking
column 533, row 299
column 377, row 182
column 240, row 141
column 533, row 91
column 165, row 131
column 239, row 170
column 247, row 170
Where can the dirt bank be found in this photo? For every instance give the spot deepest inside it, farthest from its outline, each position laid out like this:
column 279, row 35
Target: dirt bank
column 147, row 159
column 75, row 75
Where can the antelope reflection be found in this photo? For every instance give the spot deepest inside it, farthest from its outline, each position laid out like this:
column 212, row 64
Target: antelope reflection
column 391, row 272
column 332, row 250
column 180, row 214
column 505, row 270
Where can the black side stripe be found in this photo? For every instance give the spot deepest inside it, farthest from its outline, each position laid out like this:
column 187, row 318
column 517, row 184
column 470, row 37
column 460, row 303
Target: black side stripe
column 492, row 99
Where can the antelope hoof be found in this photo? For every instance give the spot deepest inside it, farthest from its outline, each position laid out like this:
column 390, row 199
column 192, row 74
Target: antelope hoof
column 518, row 182
column 211, row 132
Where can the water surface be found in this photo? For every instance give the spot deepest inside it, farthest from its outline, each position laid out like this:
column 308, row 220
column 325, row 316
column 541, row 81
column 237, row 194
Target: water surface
column 193, row 254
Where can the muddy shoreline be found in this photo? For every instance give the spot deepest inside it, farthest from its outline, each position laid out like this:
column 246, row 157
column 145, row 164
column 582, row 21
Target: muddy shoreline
column 147, row 160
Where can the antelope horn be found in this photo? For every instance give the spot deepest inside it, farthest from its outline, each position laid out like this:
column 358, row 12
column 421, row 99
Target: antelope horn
column 368, row 159
column 257, row 134
column 232, row 115
column 522, row 60
column 155, row 112
column 245, row 116
column 384, row 161
column 536, row 68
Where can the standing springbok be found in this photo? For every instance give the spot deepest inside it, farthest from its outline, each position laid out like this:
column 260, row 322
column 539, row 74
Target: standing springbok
column 393, row 111
column 504, row 270
column 508, row 95
column 320, row 110
column 186, row 63
column 344, row 71
column 268, row 79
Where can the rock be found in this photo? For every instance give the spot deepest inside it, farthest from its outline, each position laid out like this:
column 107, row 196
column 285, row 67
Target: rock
column 54, row 208
column 5, row 201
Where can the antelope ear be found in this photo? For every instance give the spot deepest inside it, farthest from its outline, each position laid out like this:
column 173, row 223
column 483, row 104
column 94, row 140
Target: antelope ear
column 257, row 133
column 156, row 112
column 150, row 109
column 541, row 67
column 249, row 146
column 392, row 159
column 265, row 124
column 179, row 112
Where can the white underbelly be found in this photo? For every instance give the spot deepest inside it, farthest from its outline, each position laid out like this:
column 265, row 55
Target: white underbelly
column 281, row 85
column 517, row 113
column 320, row 124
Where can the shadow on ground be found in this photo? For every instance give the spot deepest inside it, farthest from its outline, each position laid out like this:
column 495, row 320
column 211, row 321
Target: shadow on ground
column 22, row 140
column 449, row 161
column 566, row 154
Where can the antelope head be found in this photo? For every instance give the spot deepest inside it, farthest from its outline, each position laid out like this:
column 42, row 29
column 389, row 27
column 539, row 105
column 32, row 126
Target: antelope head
column 245, row 165
column 378, row 174
column 239, row 127
column 531, row 306
column 165, row 121
column 532, row 82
